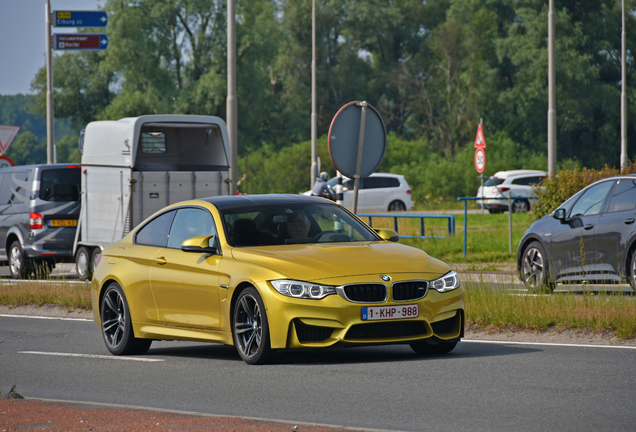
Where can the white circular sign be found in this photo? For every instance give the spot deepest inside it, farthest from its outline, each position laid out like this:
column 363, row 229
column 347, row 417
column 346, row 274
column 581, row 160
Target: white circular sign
column 480, row 160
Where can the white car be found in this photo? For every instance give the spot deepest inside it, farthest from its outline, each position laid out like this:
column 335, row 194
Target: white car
column 517, row 183
column 380, row 192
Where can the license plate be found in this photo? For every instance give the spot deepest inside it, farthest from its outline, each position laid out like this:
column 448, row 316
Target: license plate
column 63, row 222
column 374, row 313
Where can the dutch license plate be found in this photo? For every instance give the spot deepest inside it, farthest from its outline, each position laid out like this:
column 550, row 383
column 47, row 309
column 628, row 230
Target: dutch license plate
column 63, row 222
column 374, row 313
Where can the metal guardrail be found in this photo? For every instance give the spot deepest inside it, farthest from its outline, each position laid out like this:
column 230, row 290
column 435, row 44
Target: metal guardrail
column 450, row 218
column 509, row 198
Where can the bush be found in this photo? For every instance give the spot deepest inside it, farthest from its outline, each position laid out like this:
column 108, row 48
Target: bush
column 555, row 190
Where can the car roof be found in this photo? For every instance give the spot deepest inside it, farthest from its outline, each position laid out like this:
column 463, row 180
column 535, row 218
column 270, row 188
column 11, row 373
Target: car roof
column 378, row 174
column 226, row 202
column 516, row 173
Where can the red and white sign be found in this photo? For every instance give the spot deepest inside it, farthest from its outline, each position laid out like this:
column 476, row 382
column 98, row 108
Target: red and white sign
column 480, row 139
column 480, row 160
column 7, row 133
column 6, row 162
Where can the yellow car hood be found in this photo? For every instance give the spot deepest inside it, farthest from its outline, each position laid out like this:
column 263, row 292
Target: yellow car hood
column 314, row 262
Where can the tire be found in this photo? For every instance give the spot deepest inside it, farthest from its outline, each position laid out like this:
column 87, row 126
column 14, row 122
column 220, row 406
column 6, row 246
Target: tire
column 426, row 347
column 96, row 257
column 520, row 206
column 534, row 269
column 83, row 263
column 632, row 270
column 493, row 211
column 17, row 264
column 250, row 328
column 117, row 325
column 397, row 205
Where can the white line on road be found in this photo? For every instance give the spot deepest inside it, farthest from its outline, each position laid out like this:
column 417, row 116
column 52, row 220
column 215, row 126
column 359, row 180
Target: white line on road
column 141, row 359
column 548, row 344
column 45, row 317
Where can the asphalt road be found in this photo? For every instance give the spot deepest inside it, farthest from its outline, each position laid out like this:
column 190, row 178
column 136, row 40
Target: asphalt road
column 479, row 386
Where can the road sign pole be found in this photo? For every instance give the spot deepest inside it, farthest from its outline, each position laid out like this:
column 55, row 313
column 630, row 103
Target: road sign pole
column 356, row 184
column 50, row 133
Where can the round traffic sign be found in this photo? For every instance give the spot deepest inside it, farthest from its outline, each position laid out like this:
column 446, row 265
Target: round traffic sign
column 6, row 162
column 344, row 137
column 480, row 160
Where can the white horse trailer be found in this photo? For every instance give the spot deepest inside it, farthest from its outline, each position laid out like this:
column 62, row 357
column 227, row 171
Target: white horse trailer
column 135, row 166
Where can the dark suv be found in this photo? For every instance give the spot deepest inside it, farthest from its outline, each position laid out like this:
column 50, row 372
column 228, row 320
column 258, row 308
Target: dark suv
column 39, row 208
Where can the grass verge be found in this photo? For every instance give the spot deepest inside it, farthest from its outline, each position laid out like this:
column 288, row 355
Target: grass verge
column 71, row 295
column 501, row 310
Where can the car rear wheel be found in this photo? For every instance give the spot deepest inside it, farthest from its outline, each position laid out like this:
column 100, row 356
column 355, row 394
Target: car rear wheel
column 435, row 347
column 534, row 268
column 250, row 328
column 397, row 205
column 83, row 263
column 17, row 264
column 117, row 325
column 520, row 206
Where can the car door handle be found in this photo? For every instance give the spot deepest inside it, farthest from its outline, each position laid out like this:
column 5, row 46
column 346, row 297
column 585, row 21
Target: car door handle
column 589, row 226
column 160, row 260
column 629, row 221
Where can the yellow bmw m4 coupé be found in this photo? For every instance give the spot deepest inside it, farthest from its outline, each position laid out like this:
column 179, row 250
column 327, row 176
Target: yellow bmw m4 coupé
column 268, row 273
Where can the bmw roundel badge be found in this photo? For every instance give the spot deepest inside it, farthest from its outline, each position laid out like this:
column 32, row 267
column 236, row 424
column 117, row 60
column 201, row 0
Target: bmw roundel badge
column 385, row 278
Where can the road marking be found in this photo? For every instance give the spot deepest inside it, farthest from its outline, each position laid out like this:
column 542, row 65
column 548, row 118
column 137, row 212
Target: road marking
column 548, row 344
column 141, row 359
column 46, row 317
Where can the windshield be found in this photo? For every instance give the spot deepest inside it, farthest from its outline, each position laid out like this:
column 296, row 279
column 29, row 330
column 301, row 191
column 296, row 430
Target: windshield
column 273, row 224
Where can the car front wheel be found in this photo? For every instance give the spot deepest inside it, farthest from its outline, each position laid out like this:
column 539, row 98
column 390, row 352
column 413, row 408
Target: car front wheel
column 534, row 268
column 250, row 328
column 82, row 263
column 117, row 326
column 632, row 270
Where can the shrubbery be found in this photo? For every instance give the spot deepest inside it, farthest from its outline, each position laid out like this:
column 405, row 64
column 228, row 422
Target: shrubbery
column 567, row 182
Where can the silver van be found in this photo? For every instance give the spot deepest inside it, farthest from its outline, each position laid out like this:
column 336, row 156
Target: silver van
column 39, row 207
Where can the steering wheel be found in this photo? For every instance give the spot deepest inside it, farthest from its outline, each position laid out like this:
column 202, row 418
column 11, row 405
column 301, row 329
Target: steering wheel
column 331, row 236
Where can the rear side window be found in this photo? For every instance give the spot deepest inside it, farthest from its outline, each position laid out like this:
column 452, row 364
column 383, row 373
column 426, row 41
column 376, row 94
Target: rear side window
column 624, row 197
column 60, row 184
column 155, row 232
column 381, row 182
column 493, row 181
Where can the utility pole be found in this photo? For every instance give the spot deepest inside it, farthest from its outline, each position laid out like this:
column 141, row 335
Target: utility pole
column 624, row 161
column 551, row 107
column 314, row 121
column 50, row 133
column 232, row 129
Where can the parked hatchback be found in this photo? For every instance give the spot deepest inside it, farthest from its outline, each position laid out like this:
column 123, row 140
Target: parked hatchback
column 589, row 238
column 39, row 207
column 379, row 192
column 518, row 184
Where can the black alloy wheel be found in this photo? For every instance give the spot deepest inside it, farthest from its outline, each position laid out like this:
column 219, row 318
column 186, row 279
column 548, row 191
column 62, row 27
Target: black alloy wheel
column 534, row 268
column 117, row 325
column 520, row 206
column 632, row 270
column 397, row 205
column 250, row 328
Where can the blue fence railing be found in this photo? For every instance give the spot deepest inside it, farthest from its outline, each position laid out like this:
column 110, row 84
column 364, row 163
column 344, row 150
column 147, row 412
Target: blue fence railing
column 450, row 218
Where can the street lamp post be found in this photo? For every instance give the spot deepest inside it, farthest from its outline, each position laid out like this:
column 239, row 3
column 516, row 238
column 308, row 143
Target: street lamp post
column 623, row 95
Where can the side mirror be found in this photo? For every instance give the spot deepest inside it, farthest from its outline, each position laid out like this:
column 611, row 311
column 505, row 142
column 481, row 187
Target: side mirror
column 387, row 234
column 560, row 214
column 200, row 244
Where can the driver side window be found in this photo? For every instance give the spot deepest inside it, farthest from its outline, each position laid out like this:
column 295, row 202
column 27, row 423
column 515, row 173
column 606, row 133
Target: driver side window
column 188, row 223
column 591, row 202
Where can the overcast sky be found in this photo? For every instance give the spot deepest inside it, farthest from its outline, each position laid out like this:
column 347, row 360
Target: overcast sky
column 23, row 39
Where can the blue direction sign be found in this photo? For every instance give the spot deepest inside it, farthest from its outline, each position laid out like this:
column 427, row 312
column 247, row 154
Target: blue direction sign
column 79, row 41
column 80, row 19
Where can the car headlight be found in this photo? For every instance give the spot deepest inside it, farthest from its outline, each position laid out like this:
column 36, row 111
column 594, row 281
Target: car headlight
column 448, row 282
column 300, row 289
